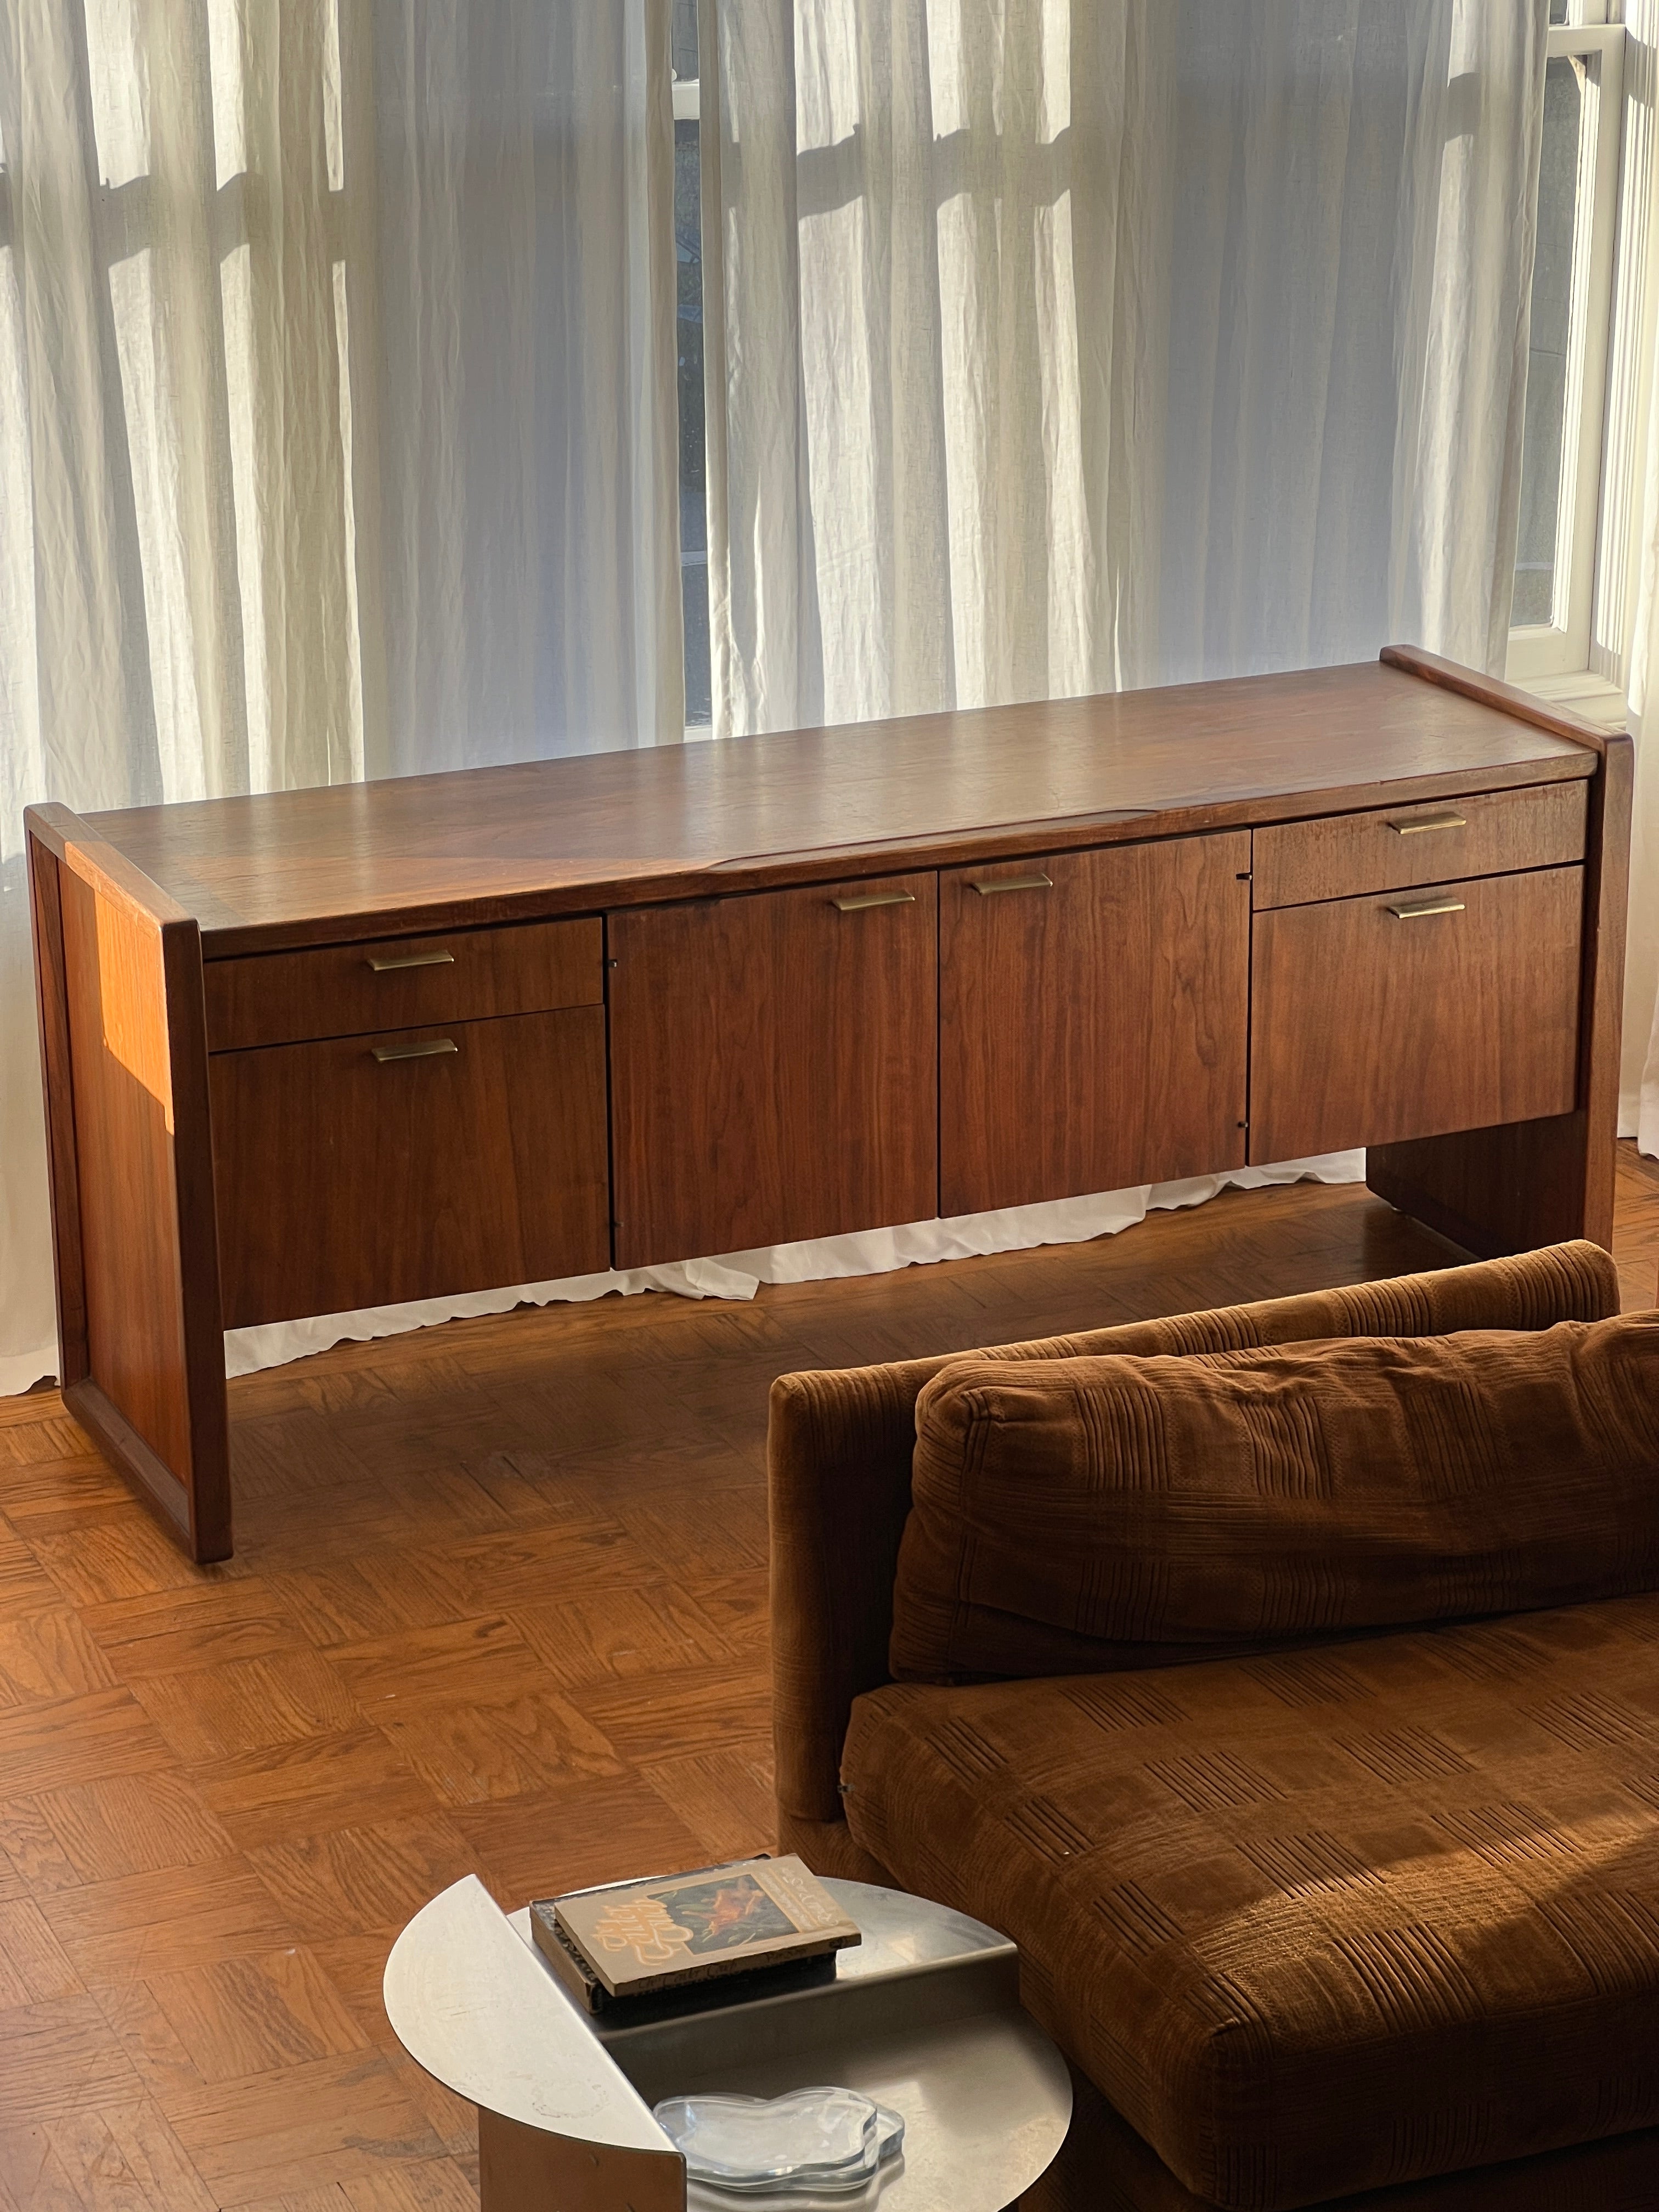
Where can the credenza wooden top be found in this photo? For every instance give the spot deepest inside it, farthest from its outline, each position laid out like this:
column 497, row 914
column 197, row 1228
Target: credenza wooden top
column 680, row 821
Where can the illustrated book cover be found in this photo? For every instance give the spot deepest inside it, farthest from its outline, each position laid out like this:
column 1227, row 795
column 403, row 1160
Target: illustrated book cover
column 634, row 1938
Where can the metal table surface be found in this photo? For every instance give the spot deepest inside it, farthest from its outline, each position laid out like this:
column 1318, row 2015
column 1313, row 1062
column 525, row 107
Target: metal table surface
column 923, row 2016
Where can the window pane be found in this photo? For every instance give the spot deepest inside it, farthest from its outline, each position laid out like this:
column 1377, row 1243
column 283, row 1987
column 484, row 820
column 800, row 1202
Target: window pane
column 1539, row 549
column 684, row 37
column 694, row 513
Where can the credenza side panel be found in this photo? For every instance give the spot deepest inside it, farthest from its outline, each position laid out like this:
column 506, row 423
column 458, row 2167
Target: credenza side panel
column 774, row 1067
column 1093, row 1016
column 123, row 1017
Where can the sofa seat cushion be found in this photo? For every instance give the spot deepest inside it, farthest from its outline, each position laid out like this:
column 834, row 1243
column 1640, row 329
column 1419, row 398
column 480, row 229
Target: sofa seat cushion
column 1070, row 1514
column 1320, row 1922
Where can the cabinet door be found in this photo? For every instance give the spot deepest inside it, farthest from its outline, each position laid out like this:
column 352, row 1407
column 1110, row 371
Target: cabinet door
column 1414, row 1013
column 1093, row 1009
column 774, row 1067
column 359, row 1171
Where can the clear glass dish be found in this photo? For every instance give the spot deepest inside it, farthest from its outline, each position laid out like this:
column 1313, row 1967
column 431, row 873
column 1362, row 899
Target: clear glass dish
column 812, row 2139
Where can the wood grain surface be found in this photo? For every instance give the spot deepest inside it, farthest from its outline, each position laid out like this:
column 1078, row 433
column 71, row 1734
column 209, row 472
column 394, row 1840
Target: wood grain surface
column 769, row 1081
column 525, row 1638
column 123, row 1130
column 1092, row 1029
column 1490, row 834
column 138, row 1271
column 611, row 828
column 1492, row 691
column 402, row 982
column 346, row 1180
column 774, row 1067
column 1366, row 1027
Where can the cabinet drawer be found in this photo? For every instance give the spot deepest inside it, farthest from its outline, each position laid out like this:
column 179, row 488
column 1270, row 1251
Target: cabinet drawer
column 1378, row 1019
column 1491, row 833
column 359, row 1171
column 399, row 982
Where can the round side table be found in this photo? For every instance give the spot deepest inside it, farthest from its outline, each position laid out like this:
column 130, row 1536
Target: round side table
column 924, row 2016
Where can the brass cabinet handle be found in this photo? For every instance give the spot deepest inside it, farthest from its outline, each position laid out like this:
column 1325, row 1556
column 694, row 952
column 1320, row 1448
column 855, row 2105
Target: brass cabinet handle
column 429, row 1050
column 873, row 898
column 1428, row 822
column 413, row 960
column 1426, row 907
column 986, row 884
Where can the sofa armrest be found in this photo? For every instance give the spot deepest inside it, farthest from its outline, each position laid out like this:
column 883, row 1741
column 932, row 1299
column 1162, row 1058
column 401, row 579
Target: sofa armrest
column 839, row 1445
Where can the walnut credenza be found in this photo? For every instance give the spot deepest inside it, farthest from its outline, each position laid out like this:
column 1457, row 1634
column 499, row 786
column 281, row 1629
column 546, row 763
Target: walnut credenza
column 327, row 1049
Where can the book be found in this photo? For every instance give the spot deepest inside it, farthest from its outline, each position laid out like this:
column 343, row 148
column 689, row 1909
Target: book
column 567, row 1962
column 584, row 1986
column 636, row 1939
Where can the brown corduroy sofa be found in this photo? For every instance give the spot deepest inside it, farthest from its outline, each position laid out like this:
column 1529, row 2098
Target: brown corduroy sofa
column 1495, row 1917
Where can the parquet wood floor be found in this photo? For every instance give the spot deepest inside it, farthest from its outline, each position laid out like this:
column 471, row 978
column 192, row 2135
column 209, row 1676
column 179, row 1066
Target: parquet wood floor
column 498, row 1604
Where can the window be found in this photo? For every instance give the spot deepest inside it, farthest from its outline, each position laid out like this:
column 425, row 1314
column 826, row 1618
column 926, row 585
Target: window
column 688, row 242
column 1561, row 469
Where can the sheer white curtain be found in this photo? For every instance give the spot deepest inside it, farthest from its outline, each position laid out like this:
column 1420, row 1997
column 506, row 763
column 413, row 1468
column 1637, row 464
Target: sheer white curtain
column 1057, row 346
column 1054, row 345
column 337, row 430
column 527, row 431
column 1068, row 344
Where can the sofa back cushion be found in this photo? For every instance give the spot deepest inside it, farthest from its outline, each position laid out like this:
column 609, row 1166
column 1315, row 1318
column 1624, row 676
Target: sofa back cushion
column 1089, row 1513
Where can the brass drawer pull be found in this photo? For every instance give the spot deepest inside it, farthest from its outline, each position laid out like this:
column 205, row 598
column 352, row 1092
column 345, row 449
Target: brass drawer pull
column 429, row 1050
column 986, row 884
column 1427, row 907
column 413, row 960
column 873, row 898
column 1428, row 822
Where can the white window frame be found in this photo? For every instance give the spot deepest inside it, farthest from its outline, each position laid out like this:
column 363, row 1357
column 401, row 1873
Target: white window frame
column 1562, row 645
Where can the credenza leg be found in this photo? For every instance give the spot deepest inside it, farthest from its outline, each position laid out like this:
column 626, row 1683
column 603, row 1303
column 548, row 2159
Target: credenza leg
column 1508, row 1189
